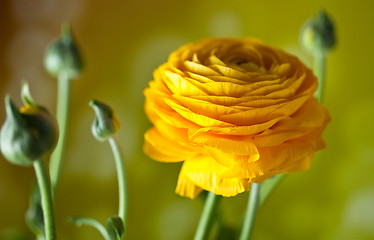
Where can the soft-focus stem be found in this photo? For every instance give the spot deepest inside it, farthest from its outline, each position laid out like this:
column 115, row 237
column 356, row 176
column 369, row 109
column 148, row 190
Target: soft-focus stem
column 92, row 223
column 206, row 218
column 268, row 186
column 40, row 237
column 46, row 198
column 121, row 174
column 63, row 105
column 320, row 71
column 250, row 214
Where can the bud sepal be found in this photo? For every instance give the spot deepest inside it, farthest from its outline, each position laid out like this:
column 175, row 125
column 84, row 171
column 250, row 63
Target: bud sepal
column 29, row 133
column 106, row 123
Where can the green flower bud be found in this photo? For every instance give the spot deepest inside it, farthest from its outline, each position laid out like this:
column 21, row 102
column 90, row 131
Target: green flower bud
column 29, row 133
column 106, row 123
column 63, row 56
column 318, row 33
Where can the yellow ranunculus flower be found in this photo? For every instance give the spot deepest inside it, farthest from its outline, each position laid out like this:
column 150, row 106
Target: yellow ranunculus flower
column 236, row 111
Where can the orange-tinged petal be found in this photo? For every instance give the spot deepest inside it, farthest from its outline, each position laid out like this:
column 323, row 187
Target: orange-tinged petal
column 196, row 118
column 162, row 149
column 281, row 70
column 245, row 169
column 259, row 115
column 205, row 172
column 180, row 85
column 273, row 138
column 241, row 103
column 229, row 144
column 286, row 89
column 236, row 111
column 231, row 72
column 214, row 60
column 199, row 69
column 186, row 187
column 206, row 108
column 218, row 78
column 287, row 155
column 198, row 77
column 229, row 159
column 240, row 130
column 213, row 88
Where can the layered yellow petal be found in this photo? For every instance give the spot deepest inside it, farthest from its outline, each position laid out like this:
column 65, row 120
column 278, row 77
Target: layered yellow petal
column 236, row 111
column 163, row 149
column 205, row 172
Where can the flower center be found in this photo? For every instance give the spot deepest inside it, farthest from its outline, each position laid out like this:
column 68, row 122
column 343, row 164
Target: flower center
column 247, row 66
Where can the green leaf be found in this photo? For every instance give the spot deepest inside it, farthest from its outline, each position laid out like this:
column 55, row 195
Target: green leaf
column 115, row 228
column 34, row 215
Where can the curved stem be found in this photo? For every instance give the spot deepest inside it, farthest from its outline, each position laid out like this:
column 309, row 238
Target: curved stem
column 320, row 71
column 79, row 221
column 46, row 197
column 250, row 214
column 63, row 105
column 121, row 174
column 206, row 218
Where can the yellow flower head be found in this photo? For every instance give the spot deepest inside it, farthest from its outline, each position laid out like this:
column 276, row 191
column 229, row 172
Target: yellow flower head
column 236, row 111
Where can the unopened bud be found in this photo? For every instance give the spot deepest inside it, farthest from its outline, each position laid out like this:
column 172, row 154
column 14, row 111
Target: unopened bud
column 63, row 56
column 106, row 123
column 318, row 33
column 29, row 133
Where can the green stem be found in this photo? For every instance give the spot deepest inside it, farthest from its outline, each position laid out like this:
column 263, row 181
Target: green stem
column 79, row 221
column 121, row 174
column 250, row 214
column 206, row 218
column 40, row 237
column 268, row 186
column 46, row 198
column 320, row 71
column 63, row 104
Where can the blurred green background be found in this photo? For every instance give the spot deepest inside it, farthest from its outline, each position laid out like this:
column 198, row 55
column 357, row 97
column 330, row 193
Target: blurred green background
column 123, row 41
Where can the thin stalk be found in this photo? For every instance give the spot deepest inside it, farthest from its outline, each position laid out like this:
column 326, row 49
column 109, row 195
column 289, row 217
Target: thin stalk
column 40, row 237
column 269, row 185
column 206, row 218
column 79, row 221
column 250, row 214
column 320, row 71
column 63, row 105
column 46, row 198
column 121, row 174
